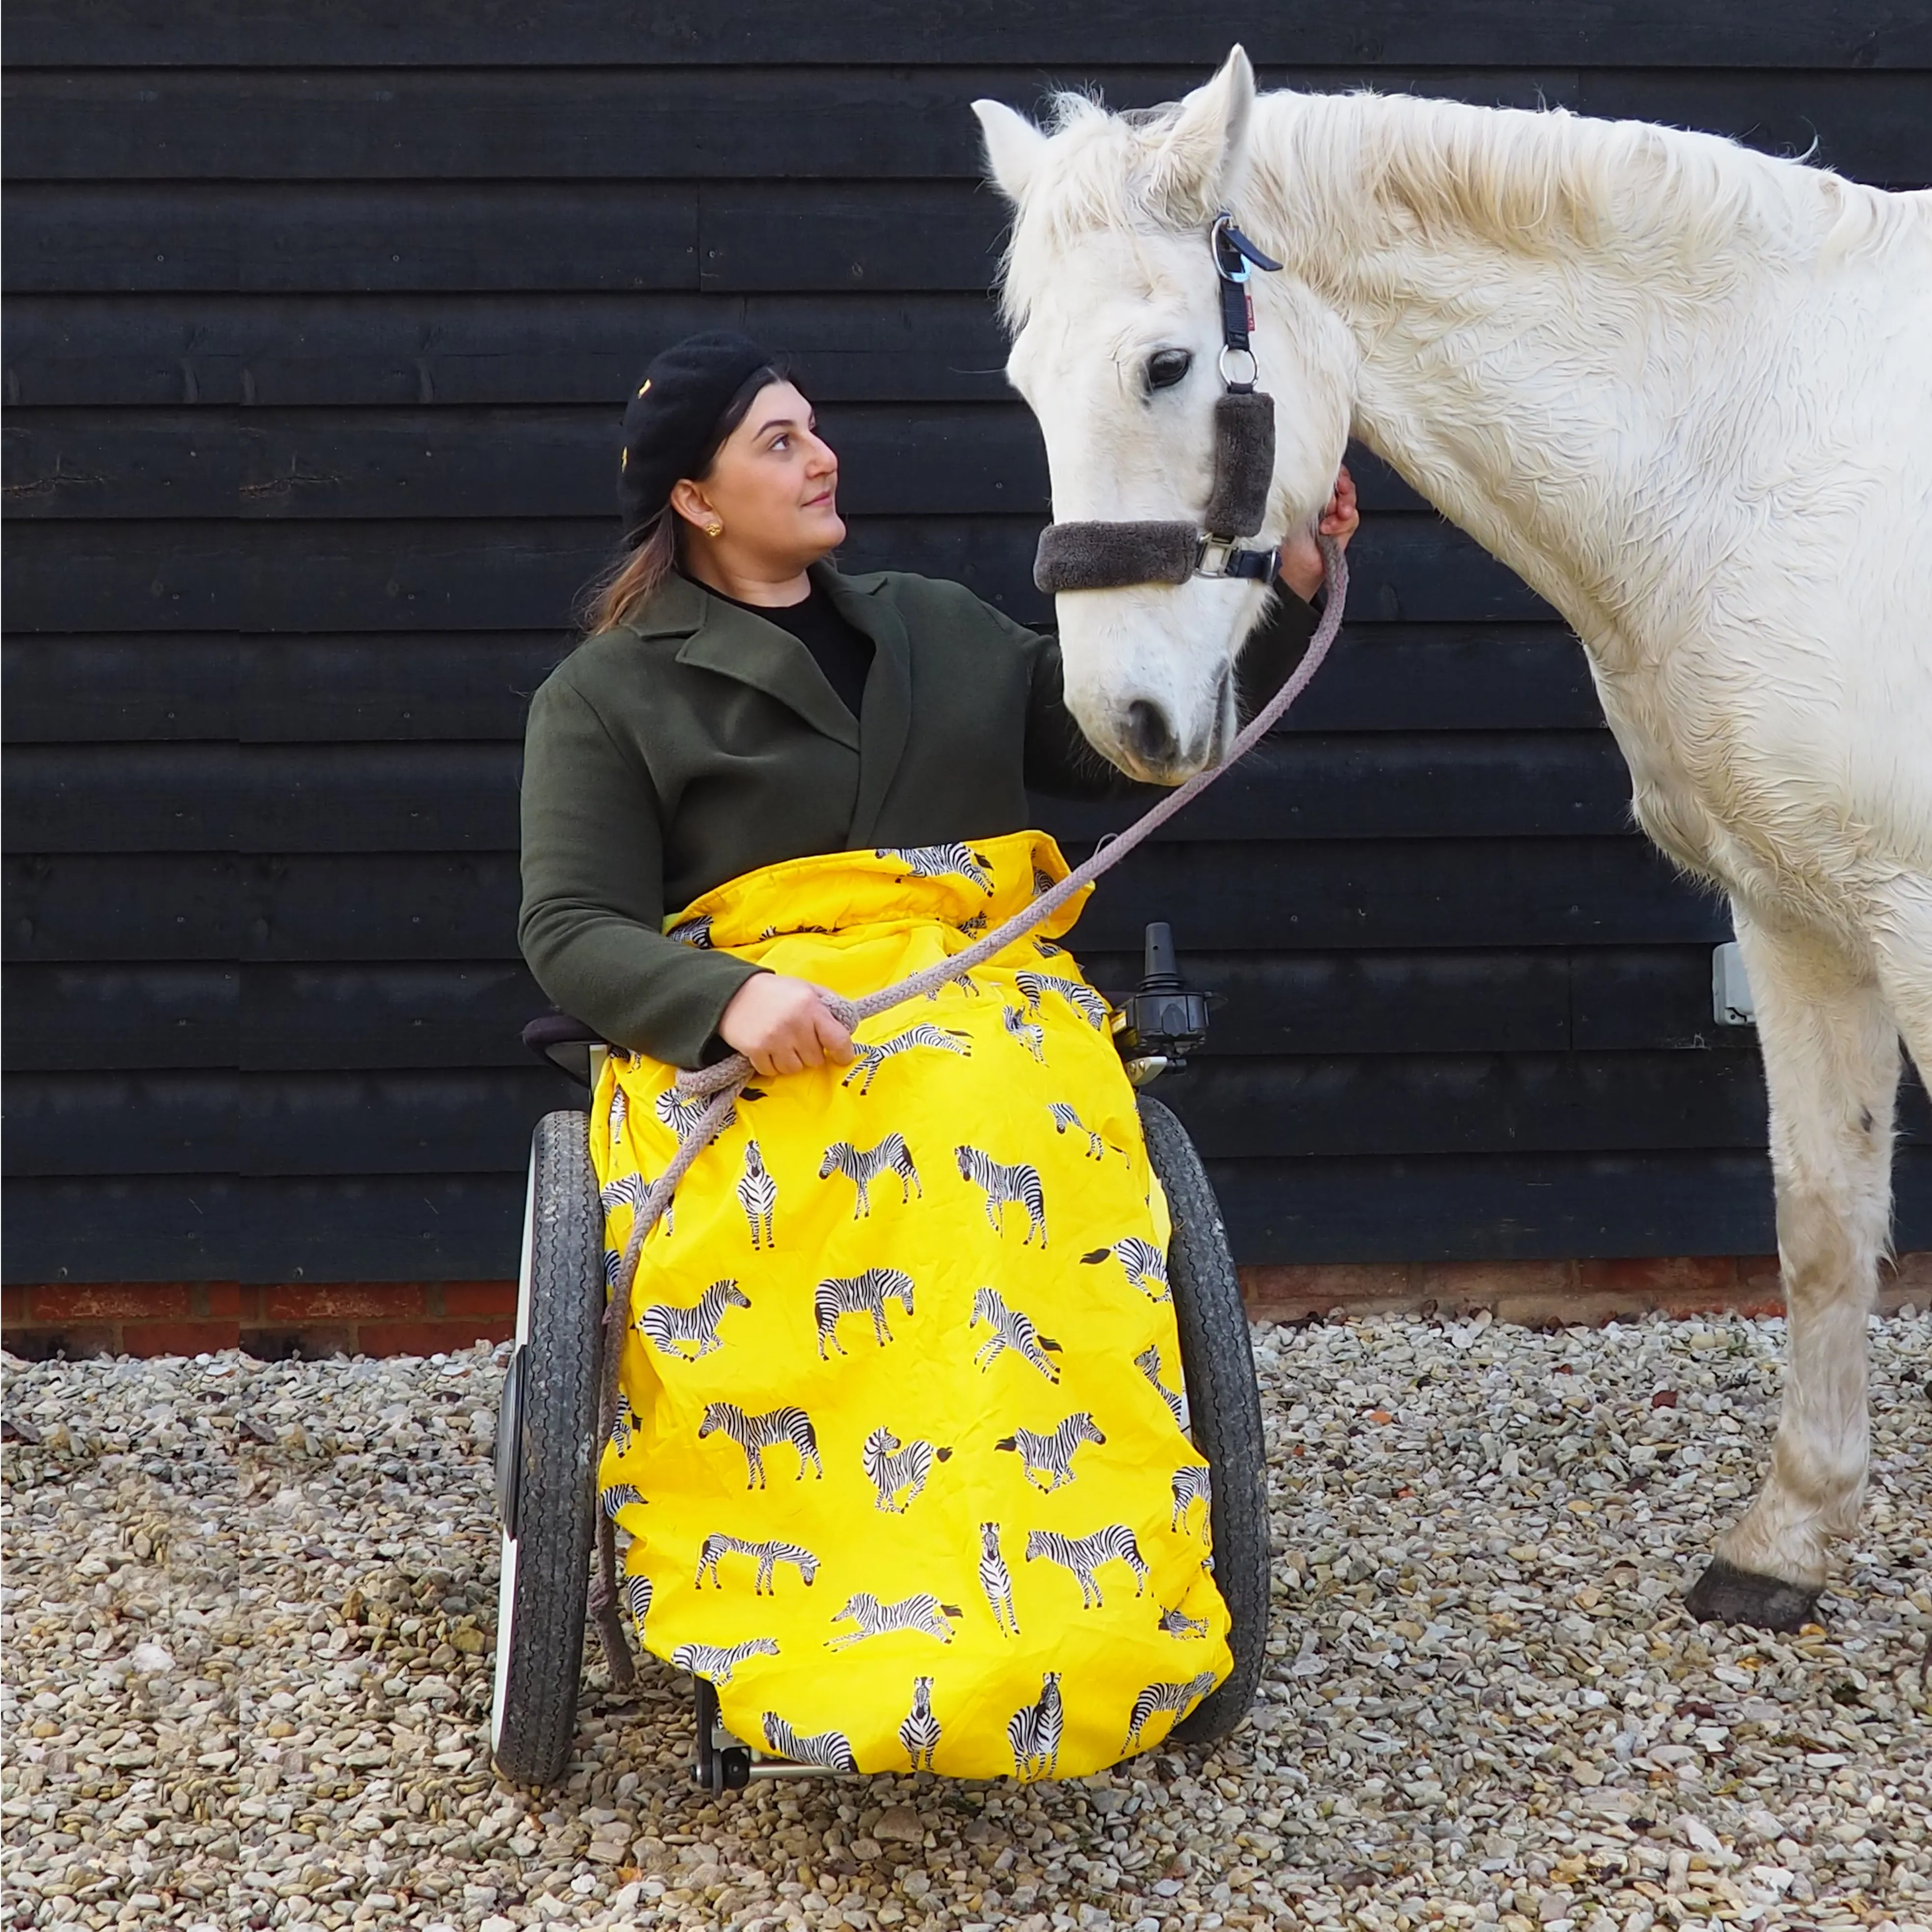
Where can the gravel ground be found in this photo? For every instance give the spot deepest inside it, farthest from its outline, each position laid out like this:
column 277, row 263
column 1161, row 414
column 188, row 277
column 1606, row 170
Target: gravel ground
column 250, row 1607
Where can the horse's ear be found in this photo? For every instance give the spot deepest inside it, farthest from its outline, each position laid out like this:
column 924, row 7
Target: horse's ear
column 1198, row 166
column 1013, row 147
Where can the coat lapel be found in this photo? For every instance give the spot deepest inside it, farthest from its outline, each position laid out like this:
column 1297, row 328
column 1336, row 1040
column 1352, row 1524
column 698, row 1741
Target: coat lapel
column 737, row 645
column 887, row 716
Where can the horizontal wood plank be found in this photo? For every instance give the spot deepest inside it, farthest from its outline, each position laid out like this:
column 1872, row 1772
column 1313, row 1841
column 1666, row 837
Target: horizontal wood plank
column 1346, row 894
column 722, row 123
column 371, row 33
column 70, row 1018
column 462, row 797
column 1527, row 1206
column 944, row 459
column 467, row 350
column 466, row 1227
column 170, row 908
column 110, row 1228
column 119, row 690
column 86, row 1018
column 298, row 690
column 477, row 1119
column 74, row 238
column 485, row 575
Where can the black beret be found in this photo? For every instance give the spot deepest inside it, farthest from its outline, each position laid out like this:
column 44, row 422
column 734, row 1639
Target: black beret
column 671, row 424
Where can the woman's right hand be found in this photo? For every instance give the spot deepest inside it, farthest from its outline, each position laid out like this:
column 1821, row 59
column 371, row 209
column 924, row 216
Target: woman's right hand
column 783, row 1025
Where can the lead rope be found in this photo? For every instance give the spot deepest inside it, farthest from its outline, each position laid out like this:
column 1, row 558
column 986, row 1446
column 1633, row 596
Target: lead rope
column 719, row 1085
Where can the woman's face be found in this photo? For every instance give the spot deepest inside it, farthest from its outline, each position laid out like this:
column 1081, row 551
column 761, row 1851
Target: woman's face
column 774, row 485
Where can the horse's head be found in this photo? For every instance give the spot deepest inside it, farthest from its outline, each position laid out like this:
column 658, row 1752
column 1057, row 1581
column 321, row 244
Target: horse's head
column 1111, row 288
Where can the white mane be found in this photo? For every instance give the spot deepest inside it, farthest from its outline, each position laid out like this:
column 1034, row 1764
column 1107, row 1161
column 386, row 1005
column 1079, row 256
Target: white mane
column 1367, row 172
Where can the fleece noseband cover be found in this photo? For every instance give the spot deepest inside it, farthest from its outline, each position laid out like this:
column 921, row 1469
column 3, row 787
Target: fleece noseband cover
column 1109, row 556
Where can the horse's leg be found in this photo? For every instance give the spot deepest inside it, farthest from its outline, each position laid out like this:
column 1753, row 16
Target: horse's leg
column 1901, row 931
column 1831, row 1063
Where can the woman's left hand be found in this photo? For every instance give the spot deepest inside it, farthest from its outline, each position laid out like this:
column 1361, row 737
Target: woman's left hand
column 1301, row 568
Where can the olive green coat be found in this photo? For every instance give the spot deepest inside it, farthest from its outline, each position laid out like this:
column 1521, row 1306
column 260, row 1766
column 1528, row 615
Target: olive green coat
column 695, row 742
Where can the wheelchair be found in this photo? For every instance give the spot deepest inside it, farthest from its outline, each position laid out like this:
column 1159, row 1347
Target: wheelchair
column 547, row 1450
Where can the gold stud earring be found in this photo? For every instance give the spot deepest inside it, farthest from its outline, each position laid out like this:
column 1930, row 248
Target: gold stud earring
column 714, row 529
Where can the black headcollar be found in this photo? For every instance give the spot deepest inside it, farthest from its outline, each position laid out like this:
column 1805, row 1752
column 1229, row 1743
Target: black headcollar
column 1110, row 556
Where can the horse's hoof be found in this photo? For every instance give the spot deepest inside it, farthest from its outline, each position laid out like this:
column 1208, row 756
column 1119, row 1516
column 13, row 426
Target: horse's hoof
column 1726, row 1594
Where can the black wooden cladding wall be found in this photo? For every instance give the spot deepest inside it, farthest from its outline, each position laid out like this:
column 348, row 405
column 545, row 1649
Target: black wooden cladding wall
column 321, row 317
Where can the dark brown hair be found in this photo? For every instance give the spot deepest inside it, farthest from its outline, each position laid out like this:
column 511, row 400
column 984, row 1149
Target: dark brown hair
column 638, row 571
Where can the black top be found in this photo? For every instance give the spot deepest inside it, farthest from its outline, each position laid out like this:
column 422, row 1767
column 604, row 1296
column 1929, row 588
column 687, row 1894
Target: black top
column 844, row 654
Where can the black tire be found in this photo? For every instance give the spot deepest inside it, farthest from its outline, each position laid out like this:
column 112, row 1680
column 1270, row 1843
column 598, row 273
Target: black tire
column 1224, row 1413
column 542, row 1604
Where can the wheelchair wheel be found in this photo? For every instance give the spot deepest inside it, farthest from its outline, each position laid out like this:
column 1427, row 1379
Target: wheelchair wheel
column 546, row 1443
column 1224, row 1413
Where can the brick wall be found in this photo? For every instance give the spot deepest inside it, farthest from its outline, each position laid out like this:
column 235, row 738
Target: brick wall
column 423, row 1318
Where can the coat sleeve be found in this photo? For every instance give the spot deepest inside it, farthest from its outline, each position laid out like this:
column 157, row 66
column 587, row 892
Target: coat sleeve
column 1060, row 762
column 593, row 906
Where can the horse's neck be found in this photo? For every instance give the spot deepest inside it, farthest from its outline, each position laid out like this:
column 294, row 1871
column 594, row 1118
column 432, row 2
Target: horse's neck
column 1554, row 401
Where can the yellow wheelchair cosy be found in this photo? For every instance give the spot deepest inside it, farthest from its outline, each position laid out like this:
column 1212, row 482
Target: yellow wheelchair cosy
column 900, row 1451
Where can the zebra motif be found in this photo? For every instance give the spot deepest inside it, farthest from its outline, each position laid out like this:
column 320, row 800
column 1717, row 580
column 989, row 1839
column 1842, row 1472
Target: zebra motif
column 693, row 931
column 755, row 1434
column 1011, row 1330
column 1043, row 882
column 768, row 1556
column 618, row 1498
column 996, row 1580
column 923, row 1612
column 1047, row 950
column 861, row 1166
column 681, row 1115
column 864, row 1294
column 1052, row 1455
column 1088, row 1004
column 972, row 927
column 831, row 1749
column 1030, row 1037
column 964, row 982
column 670, row 1329
column 1148, row 1362
column 936, row 861
column 620, row 1108
column 625, row 1423
column 869, row 1055
column 613, row 1266
column 1145, row 1264
column 919, row 1733
column 1034, row 1732
column 1177, row 1623
column 1084, row 1555
column 637, row 1600
column 1178, row 1698
column 718, row 1661
column 631, row 1191
column 758, row 1195
column 1003, row 1184
column 1065, row 1120
column 893, row 1467
column 1191, row 1484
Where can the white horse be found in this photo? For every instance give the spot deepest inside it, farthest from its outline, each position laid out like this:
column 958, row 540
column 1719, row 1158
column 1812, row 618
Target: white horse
column 1685, row 391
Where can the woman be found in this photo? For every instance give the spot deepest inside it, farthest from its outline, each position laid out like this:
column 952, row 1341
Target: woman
column 853, row 1357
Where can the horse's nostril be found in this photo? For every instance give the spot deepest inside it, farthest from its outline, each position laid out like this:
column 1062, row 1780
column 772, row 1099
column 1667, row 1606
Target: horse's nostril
column 1150, row 733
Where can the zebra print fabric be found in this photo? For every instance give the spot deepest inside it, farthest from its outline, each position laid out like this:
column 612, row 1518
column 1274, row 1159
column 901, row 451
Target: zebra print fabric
column 888, row 1466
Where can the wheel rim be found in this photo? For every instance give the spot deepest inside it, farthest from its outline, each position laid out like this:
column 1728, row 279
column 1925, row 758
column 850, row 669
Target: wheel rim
column 506, row 1577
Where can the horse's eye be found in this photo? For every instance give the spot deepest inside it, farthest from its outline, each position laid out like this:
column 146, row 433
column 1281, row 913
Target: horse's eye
column 1166, row 366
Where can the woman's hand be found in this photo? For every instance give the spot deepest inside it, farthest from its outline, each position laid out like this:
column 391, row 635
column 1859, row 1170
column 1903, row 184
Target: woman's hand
column 1301, row 556
column 783, row 1025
